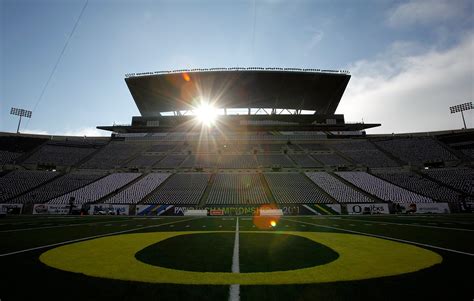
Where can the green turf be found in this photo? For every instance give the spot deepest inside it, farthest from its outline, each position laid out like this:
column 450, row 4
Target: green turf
column 24, row 277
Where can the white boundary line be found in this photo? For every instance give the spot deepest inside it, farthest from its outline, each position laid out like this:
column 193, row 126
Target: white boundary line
column 234, row 289
column 384, row 237
column 90, row 237
column 410, row 225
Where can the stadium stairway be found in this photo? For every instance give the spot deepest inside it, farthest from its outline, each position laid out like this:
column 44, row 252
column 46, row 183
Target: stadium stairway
column 205, row 195
column 405, row 188
column 27, row 154
column 145, row 198
column 388, row 154
column 347, row 183
column 267, row 189
column 115, row 192
column 88, row 157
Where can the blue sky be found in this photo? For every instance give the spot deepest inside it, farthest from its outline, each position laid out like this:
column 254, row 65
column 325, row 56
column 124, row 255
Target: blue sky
column 410, row 60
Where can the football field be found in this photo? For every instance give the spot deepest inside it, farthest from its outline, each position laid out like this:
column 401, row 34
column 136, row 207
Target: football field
column 390, row 257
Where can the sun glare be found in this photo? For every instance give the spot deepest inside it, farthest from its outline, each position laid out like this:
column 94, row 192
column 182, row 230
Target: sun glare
column 206, row 113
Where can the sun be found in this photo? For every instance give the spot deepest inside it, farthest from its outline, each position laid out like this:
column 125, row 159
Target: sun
column 206, row 113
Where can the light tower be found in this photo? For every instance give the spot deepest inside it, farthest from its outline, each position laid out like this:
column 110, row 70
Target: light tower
column 21, row 113
column 461, row 108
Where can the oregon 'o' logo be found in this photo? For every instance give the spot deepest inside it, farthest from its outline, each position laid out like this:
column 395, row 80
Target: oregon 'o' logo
column 360, row 257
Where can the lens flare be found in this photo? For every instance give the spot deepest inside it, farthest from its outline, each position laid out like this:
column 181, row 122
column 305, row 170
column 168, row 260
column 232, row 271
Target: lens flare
column 273, row 223
column 206, row 113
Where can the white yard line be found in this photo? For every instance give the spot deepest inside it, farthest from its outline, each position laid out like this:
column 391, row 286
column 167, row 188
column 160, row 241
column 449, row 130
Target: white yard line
column 385, row 237
column 89, row 237
column 410, row 225
column 234, row 290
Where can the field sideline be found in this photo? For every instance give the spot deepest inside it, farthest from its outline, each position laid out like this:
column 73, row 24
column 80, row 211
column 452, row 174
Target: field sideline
column 209, row 246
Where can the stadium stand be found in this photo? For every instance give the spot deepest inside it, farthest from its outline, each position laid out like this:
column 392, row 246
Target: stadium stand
column 112, row 155
column 237, row 189
column 338, row 190
column 418, row 184
column 416, row 150
column 331, row 159
column 314, row 147
column 200, row 160
column 20, row 181
column 268, row 148
column 8, row 157
column 171, row 161
column 97, row 190
column 304, row 160
column 160, row 148
column 138, row 190
column 58, row 187
column 382, row 189
column 60, row 154
column 272, row 160
column 363, row 152
column 180, row 189
column 237, row 161
column 294, row 188
column 144, row 161
column 461, row 179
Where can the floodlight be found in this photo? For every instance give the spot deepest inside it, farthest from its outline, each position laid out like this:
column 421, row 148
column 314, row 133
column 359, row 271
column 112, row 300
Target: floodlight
column 21, row 113
column 461, row 108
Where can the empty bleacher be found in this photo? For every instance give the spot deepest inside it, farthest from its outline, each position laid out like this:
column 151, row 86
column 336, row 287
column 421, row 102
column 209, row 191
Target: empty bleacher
column 138, row 190
column 270, row 160
column 418, row 184
column 331, row 159
column 58, row 187
column 61, row 153
column 237, row 189
column 237, row 161
column 303, row 160
column 461, row 179
column 171, row 161
column 97, row 190
column 144, row 161
column 180, row 189
column 338, row 190
column 294, row 188
column 382, row 189
column 20, row 181
column 365, row 153
column 112, row 155
column 417, row 150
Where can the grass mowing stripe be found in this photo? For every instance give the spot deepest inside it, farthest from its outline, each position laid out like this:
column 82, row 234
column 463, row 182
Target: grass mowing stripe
column 59, row 226
column 90, row 237
column 384, row 237
column 234, row 289
column 411, row 225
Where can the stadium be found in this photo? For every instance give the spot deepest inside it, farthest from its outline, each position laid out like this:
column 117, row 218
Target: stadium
column 237, row 183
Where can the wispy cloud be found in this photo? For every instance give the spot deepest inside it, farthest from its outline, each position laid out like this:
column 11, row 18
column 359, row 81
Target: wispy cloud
column 86, row 131
column 411, row 91
column 425, row 12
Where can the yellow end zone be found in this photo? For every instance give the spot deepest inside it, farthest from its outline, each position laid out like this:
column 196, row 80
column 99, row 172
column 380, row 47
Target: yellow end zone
column 360, row 257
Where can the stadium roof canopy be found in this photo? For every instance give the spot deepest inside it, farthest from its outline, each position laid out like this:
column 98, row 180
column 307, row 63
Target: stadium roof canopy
column 297, row 89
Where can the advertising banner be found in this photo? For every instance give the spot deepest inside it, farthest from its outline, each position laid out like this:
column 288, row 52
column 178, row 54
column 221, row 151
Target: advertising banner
column 109, row 209
column 369, row 208
column 155, row 210
column 51, row 209
column 11, row 208
column 425, row 208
